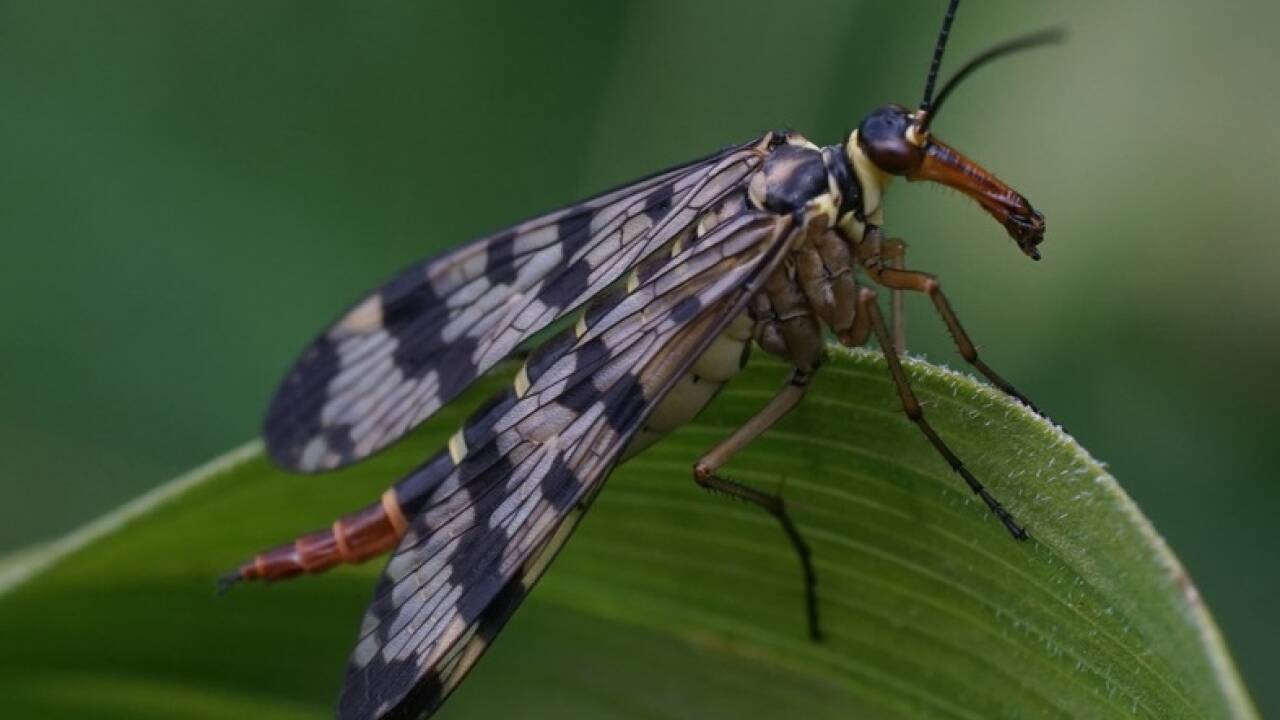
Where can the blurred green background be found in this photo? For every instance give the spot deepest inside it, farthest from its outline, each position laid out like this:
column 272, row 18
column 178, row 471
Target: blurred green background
column 188, row 192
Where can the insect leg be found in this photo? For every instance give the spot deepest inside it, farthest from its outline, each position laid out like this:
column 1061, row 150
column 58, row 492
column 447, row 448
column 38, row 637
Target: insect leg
column 914, row 411
column 704, row 473
column 897, row 280
column 894, row 252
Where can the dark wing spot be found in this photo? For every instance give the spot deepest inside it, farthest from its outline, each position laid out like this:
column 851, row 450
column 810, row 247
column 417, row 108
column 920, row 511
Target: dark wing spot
column 487, row 460
column 406, row 302
column 568, row 286
column 603, row 303
column 416, row 358
column 574, row 230
column 659, row 202
column 338, row 438
column 414, row 492
column 406, row 297
column 294, row 417
column 476, row 566
column 478, row 429
column 686, row 309
column 650, row 266
column 425, row 696
column 590, row 356
column 628, row 404
column 368, row 688
column 560, row 485
column 546, row 354
column 577, row 279
column 500, row 264
column 504, row 603
column 579, row 397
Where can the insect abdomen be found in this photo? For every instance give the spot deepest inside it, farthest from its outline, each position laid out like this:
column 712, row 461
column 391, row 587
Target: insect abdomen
column 723, row 360
column 354, row 537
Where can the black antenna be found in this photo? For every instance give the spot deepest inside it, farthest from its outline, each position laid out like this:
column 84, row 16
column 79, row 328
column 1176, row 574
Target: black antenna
column 1044, row 37
column 938, row 49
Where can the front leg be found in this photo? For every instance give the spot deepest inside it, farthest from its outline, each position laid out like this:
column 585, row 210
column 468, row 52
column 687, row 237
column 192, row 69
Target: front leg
column 894, row 253
column 870, row 254
column 915, row 412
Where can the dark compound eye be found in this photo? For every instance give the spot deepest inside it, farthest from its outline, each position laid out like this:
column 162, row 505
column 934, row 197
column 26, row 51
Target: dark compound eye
column 883, row 137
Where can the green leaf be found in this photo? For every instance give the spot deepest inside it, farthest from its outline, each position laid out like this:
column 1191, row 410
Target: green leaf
column 669, row 602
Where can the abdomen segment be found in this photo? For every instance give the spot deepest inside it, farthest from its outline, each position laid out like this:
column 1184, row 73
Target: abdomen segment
column 353, row 538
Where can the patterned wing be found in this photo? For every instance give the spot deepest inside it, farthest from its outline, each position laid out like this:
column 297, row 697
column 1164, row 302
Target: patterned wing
column 407, row 349
column 534, row 458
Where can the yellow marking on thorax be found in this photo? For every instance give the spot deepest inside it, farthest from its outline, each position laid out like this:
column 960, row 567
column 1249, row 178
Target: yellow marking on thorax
column 580, row 328
column 633, row 281
column 458, row 446
column 872, row 179
column 798, row 140
column 677, row 245
column 757, row 190
column 826, row 205
column 521, row 384
column 833, row 189
column 853, row 227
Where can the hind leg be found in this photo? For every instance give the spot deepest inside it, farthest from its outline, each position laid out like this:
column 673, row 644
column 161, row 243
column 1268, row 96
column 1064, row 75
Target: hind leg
column 704, row 473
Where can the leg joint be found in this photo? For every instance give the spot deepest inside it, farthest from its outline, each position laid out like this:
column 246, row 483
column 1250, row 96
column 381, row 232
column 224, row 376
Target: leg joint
column 913, row 410
column 701, row 472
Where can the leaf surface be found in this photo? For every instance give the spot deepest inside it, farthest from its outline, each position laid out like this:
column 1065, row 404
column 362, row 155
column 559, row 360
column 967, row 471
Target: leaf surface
column 668, row 602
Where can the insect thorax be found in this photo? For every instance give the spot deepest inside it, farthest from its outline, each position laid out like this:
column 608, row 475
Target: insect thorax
column 815, row 286
column 797, row 172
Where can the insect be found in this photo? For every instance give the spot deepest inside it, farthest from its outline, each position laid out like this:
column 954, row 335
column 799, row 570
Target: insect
column 673, row 279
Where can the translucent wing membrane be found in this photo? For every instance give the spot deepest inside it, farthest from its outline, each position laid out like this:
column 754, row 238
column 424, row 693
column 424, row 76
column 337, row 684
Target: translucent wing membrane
column 407, row 349
column 534, row 458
